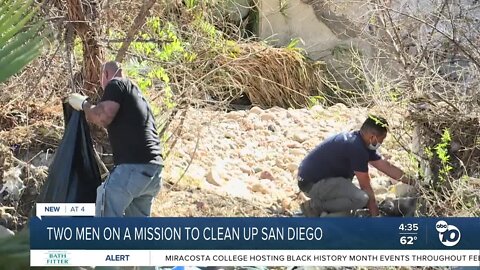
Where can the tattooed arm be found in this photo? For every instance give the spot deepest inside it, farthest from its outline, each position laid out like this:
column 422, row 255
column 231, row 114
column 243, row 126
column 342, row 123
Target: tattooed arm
column 101, row 114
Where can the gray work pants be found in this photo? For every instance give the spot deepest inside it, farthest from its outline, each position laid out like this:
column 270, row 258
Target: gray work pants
column 337, row 194
column 129, row 191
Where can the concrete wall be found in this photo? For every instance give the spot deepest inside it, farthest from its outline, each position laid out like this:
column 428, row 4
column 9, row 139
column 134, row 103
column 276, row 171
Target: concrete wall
column 325, row 28
column 320, row 25
column 297, row 20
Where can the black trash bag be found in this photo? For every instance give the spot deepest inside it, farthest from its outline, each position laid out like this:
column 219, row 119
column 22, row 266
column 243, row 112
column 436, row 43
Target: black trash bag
column 73, row 176
column 399, row 207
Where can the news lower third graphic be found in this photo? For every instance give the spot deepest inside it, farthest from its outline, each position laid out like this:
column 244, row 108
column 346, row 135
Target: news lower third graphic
column 58, row 239
column 65, row 209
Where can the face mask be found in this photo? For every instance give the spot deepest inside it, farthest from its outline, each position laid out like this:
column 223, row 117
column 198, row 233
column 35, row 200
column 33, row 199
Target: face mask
column 372, row 146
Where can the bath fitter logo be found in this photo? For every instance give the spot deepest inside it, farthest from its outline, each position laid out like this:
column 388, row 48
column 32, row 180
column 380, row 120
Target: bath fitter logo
column 58, row 258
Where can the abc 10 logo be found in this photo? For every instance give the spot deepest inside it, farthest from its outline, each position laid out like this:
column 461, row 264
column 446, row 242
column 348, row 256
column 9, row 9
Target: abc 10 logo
column 449, row 235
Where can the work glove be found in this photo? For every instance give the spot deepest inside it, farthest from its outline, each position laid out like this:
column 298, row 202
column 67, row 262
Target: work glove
column 76, row 101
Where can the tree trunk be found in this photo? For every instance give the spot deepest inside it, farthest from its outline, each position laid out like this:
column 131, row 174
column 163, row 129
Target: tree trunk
column 83, row 14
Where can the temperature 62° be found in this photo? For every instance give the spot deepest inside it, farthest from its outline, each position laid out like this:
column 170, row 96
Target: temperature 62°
column 408, row 240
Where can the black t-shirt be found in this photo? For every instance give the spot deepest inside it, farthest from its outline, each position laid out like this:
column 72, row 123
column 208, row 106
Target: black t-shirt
column 340, row 155
column 132, row 132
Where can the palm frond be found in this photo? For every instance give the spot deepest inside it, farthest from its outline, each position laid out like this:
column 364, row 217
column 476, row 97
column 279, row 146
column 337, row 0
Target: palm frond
column 15, row 251
column 21, row 36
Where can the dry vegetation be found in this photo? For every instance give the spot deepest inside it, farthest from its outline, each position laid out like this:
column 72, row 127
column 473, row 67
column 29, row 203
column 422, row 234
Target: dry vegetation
column 423, row 61
column 181, row 58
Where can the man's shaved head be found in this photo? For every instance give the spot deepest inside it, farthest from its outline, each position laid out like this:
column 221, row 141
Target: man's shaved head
column 111, row 67
column 110, row 70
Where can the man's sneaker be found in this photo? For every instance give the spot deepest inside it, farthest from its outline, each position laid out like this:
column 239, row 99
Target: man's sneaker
column 308, row 210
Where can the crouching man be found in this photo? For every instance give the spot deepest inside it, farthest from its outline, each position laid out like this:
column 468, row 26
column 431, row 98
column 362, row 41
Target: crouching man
column 326, row 173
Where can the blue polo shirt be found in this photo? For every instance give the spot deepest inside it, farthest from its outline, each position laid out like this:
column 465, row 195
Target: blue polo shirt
column 338, row 156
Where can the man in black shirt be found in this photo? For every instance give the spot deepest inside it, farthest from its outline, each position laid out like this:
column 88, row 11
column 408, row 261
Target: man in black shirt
column 135, row 179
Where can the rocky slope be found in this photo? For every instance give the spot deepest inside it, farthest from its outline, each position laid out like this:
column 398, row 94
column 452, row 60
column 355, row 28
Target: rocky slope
column 239, row 163
column 253, row 156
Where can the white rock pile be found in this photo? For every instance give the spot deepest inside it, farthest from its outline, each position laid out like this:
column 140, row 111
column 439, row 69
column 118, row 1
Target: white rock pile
column 254, row 154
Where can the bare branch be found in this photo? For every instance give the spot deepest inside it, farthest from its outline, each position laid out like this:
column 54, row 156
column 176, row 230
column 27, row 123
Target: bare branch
column 136, row 25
